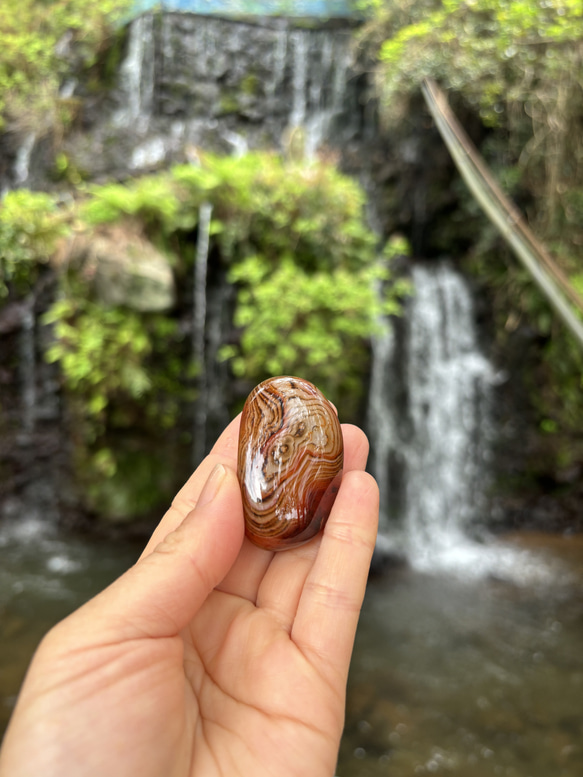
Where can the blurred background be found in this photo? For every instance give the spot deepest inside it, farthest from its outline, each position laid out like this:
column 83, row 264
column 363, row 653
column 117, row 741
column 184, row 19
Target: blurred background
column 199, row 194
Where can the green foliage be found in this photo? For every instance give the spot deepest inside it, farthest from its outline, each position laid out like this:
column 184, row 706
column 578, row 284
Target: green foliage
column 119, row 372
column 295, row 322
column 152, row 198
column 39, row 41
column 101, row 351
column 300, row 253
column 293, row 240
column 66, row 170
column 489, row 50
column 518, row 65
column 30, row 225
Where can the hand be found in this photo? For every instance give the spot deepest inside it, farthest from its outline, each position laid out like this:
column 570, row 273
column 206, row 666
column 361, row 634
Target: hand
column 210, row 656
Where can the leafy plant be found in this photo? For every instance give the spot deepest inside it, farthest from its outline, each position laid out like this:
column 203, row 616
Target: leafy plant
column 101, row 352
column 519, row 65
column 40, row 41
column 30, row 226
column 299, row 250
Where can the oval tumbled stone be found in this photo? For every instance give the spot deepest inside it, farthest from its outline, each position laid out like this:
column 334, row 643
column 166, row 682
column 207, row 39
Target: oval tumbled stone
column 289, row 462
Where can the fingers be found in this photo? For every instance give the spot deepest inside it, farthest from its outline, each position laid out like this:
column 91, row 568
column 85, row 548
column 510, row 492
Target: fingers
column 328, row 610
column 283, row 582
column 355, row 447
column 282, row 585
column 281, row 578
column 245, row 577
column 256, row 567
column 161, row 594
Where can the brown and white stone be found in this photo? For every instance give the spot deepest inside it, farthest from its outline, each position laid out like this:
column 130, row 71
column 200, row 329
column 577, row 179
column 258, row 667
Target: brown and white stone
column 289, row 462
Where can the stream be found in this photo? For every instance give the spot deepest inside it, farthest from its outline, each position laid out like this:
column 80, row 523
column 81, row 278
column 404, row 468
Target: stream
column 470, row 676
column 44, row 576
column 450, row 674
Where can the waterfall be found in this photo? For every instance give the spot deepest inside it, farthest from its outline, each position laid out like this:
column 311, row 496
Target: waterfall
column 300, row 78
column 448, row 381
column 320, row 66
column 137, row 76
column 429, row 423
column 278, row 64
column 193, row 80
column 27, row 368
column 380, row 421
column 212, row 311
column 22, row 161
column 199, row 331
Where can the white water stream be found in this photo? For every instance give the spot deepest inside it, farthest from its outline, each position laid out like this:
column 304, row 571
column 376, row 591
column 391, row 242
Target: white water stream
column 27, row 368
column 137, row 75
column 448, row 382
column 430, row 428
column 304, row 79
column 22, row 161
column 199, row 331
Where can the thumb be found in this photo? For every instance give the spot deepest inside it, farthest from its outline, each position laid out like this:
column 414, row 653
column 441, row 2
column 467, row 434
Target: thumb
column 161, row 594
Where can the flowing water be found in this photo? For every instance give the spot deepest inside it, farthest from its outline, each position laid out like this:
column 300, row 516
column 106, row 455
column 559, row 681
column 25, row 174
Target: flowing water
column 22, row 161
column 27, row 367
column 300, row 91
column 45, row 575
column 430, row 426
column 476, row 678
column 199, row 323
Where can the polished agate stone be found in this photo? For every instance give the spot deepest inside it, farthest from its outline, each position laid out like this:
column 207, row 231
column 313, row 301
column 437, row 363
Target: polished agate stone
column 289, row 462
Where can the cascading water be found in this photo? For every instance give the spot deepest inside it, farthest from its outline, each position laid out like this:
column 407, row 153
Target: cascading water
column 137, row 75
column 199, row 331
column 28, row 371
column 22, row 161
column 430, row 428
column 449, row 395
column 319, row 87
column 186, row 80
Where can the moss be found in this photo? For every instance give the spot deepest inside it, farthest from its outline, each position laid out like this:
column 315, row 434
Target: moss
column 250, row 85
column 67, row 171
column 228, row 104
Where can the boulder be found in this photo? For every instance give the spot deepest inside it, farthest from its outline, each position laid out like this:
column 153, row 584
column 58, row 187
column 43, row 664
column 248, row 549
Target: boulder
column 122, row 267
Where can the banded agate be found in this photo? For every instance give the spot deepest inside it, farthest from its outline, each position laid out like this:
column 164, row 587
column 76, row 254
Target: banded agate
column 289, row 462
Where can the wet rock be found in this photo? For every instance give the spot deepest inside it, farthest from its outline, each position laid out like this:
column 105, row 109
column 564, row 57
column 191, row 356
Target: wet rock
column 190, row 80
column 123, row 268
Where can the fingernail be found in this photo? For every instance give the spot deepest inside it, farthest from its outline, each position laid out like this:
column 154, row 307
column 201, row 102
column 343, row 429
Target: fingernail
column 212, row 486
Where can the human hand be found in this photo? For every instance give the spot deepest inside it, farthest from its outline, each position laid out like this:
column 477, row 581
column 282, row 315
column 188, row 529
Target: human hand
column 209, row 656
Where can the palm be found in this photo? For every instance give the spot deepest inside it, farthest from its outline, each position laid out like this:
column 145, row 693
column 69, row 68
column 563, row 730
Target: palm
column 264, row 697
column 210, row 656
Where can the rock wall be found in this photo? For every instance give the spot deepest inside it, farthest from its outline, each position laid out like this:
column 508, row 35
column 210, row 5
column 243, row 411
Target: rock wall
column 189, row 82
